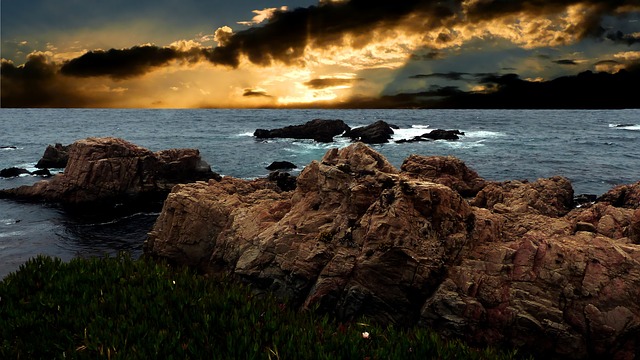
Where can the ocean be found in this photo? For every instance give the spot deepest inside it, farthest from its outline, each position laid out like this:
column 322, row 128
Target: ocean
column 596, row 150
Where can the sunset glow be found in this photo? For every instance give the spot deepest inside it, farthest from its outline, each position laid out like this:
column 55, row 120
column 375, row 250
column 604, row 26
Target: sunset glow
column 308, row 53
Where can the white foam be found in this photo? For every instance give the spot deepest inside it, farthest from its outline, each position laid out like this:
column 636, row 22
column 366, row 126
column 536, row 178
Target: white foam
column 248, row 133
column 625, row 126
column 11, row 234
column 410, row 133
column 484, row 134
column 461, row 144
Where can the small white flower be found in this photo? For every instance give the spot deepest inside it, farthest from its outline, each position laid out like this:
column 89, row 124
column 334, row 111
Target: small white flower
column 365, row 335
column 174, row 282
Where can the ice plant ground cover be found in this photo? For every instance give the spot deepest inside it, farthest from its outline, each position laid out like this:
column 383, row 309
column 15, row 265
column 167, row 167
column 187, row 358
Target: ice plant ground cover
column 119, row 308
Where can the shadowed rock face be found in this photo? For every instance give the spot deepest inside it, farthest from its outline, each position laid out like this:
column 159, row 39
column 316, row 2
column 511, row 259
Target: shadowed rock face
column 55, row 156
column 109, row 170
column 515, row 265
column 377, row 133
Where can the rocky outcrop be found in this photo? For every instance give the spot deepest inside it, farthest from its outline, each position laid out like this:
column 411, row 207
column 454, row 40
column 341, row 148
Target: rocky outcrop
column 111, row 170
column 13, row 172
column 516, row 265
column 377, row 133
column 440, row 134
column 627, row 196
column 437, row 134
column 55, row 156
column 319, row 130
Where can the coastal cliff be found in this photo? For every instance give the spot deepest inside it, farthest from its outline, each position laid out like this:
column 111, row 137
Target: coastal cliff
column 432, row 243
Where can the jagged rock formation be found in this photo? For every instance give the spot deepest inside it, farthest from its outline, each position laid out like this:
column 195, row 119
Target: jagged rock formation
column 377, row 133
column 55, row 156
column 110, row 170
column 515, row 265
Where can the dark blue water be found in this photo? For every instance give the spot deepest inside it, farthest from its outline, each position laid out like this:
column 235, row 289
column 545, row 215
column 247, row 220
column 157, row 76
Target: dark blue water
column 584, row 146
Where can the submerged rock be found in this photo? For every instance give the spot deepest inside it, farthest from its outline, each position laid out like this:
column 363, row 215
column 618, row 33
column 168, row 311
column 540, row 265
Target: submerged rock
column 110, row 170
column 13, row 172
column 281, row 165
column 516, row 265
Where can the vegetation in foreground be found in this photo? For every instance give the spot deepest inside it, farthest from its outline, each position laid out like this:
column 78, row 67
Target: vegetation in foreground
column 119, row 308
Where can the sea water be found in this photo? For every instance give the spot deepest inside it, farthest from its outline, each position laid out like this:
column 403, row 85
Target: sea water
column 596, row 150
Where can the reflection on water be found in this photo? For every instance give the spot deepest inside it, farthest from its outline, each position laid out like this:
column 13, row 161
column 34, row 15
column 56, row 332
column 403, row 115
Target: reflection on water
column 30, row 229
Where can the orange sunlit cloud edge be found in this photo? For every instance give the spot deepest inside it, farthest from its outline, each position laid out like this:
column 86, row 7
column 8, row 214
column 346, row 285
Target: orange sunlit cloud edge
column 349, row 54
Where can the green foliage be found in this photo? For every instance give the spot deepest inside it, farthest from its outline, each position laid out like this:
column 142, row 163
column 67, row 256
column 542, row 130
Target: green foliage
column 119, row 308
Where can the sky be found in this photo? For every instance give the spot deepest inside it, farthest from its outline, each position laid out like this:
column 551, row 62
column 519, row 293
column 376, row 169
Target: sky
column 317, row 54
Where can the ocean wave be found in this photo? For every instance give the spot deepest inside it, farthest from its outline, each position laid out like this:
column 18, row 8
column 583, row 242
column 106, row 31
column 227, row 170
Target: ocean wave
column 11, row 234
column 484, row 134
column 248, row 133
column 462, row 144
column 9, row 148
column 8, row 221
column 409, row 133
column 625, row 126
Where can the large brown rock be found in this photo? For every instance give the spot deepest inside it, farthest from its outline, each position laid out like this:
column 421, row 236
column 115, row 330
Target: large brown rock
column 446, row 170
column 358, row 237
column 109, row 170
column 627, row 196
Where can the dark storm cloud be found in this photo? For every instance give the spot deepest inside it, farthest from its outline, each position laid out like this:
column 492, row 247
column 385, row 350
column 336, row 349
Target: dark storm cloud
column 432, row 55
column 608, row 62
column 126, row 63
column 565, row 62
column 287, row 33
column 255, row 93
column 483, row 10
column 623, row 38
column 329, row 83
column 449, row 76
column 36, row 84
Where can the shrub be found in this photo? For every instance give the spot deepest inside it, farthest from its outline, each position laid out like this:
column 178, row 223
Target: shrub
column 119, row 308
